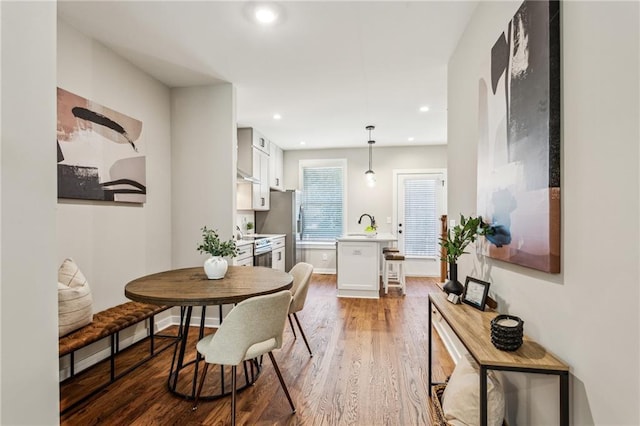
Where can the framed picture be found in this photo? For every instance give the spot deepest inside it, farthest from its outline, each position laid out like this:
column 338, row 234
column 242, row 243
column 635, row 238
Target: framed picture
column 518, row 192
column 100, row 152
column 475, row 293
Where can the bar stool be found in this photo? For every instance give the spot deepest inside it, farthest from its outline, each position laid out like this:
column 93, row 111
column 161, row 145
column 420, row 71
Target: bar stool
column 391, row 259
column 385, row 251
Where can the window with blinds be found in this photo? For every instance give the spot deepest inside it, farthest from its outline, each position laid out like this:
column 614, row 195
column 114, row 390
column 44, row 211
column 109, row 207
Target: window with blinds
column 323, row 197
column 421, row 221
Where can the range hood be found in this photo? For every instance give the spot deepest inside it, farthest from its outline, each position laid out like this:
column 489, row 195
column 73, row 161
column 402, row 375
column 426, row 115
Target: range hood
column 248, row 178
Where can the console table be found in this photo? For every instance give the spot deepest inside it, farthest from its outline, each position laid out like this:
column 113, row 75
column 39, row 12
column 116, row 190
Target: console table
column 473, row 328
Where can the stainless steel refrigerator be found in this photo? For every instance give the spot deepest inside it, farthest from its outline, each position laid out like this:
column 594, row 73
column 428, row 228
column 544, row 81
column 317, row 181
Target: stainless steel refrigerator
column 283, row 217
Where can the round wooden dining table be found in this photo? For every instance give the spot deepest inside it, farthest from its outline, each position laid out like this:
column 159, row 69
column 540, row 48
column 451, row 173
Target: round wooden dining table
column 189, row 287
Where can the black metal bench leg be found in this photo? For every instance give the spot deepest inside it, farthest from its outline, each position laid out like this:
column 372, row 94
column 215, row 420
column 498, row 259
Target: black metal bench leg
column 152, row 329
column 113, row 357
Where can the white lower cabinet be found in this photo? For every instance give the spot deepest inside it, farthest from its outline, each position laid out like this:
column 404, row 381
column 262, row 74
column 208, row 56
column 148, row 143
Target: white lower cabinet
column 278, row 254
column 358, row 269
column 244, row 256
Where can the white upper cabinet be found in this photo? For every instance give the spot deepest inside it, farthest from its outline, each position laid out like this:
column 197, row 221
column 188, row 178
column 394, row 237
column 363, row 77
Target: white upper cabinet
column 253, row 161
column 260, row 142
column 261, row 195
column 276, row 167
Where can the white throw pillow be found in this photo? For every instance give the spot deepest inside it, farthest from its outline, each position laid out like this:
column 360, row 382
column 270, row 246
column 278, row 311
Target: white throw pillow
column 75, row 304
column 461, row 397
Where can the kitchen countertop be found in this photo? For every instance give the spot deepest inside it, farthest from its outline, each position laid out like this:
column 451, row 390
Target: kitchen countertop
column 380, row 237
column 250, row 238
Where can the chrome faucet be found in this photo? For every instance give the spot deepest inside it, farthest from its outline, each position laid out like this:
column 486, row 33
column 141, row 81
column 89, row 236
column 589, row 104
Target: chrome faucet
column 371, row 218
column 239, row 232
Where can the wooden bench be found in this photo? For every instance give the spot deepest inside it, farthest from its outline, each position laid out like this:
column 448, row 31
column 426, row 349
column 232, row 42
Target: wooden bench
column 109, row 323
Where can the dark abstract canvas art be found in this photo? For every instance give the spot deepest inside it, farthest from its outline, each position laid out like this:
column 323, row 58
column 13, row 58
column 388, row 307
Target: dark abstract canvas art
column 519, row 140
column 100, row 156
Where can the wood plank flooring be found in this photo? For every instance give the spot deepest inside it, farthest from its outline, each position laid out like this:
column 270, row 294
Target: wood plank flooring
column 369, row 368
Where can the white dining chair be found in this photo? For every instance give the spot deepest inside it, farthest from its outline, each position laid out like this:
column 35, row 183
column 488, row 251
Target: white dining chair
column 301, row 278
column 252, row 328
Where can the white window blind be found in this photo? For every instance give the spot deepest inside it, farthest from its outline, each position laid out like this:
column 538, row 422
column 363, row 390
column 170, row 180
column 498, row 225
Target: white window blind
column 322, row 197
column 421, row 222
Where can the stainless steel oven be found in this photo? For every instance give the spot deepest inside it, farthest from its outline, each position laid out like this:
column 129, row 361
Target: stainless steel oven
column 262, row 252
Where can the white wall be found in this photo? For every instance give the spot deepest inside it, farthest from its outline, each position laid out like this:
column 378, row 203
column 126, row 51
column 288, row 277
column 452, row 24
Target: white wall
column 377, row 201
column 115, row 243
column 587, row 314
column 28, row 309
column 204, row 157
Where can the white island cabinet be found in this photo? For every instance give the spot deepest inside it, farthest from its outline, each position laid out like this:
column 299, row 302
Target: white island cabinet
column 359, row 264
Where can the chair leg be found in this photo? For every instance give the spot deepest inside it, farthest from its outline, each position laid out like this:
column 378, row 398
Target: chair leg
column 233, row 395
column 204, row 374
column 292, row 327
column 284, row 387
column 385, row 277
column 303, row 336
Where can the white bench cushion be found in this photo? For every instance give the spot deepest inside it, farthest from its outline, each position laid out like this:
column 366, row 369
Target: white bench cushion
column 75, row 304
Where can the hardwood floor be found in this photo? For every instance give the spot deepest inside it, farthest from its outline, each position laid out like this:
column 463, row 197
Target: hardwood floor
column 369, row 368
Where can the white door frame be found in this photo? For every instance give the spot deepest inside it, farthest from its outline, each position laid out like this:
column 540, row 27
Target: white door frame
column 418, row 267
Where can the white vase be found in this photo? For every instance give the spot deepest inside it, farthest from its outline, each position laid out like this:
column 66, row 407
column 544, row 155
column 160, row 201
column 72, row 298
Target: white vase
column 215, row 267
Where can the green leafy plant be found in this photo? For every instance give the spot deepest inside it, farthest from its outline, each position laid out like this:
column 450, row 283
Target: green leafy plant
column 211, row 244
column 249, row 226
column 461, row 236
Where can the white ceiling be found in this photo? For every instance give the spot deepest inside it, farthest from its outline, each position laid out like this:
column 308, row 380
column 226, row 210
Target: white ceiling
column 329, row 68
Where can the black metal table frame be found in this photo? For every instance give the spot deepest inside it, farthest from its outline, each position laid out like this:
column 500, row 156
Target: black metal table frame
column 177, row 362
column 562, row 374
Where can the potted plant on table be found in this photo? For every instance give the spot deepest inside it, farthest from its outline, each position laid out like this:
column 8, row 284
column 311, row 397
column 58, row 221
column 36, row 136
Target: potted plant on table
column 216, row 266
column 455, row 243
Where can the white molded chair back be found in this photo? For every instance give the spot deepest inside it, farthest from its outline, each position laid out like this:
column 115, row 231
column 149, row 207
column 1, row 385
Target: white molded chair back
column 252, row 328
column 301, row 277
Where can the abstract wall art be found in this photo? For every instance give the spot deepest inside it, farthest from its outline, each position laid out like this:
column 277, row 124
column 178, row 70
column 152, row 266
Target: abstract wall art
column 100, row 155
column 519, row 140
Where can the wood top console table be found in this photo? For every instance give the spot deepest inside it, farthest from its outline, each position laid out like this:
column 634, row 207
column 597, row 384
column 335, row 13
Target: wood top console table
column 473, row 328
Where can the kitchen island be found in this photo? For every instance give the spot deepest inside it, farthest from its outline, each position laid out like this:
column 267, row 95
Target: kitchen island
column 358, row 264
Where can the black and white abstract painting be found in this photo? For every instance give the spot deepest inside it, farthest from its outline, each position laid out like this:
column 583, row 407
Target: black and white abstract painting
column 100, row 156
column 519, row 140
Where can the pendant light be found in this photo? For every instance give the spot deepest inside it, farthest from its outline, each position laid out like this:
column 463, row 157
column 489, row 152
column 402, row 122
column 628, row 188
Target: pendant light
column 370, row 175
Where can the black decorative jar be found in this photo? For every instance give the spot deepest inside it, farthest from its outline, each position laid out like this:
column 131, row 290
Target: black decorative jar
column 507, row 332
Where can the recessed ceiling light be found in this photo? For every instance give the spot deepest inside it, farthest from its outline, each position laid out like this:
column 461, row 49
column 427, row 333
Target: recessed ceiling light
column 265, row 14
column 277, row 116
column 303, row 143
column 410, row 139
column 424, row 108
